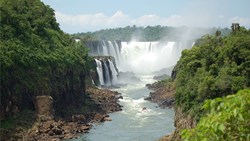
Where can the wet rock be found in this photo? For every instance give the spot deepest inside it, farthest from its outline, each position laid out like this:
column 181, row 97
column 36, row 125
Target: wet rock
column 57, row 131
column 147, row 98
column 107, row 119
column 78, row 118
column 120, row 97
column 162, row 94
column 99, row 117
column 167, row 103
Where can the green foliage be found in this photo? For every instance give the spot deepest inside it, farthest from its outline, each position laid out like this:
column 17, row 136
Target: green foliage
column 37, row 58
column 214, row 67
column 24, row 119
column 228, row 119
column 149, row 33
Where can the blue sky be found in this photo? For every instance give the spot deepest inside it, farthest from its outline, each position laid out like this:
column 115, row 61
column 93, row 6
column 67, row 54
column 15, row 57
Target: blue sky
column 91, row 15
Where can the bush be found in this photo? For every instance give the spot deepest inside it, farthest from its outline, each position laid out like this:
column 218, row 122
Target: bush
column 228, row 119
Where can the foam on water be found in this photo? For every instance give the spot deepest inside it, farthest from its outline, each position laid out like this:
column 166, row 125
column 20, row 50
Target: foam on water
column 134, row 123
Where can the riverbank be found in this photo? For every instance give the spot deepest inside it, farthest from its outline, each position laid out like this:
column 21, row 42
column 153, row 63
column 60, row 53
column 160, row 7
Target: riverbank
column 163, row 93
column 99, row 102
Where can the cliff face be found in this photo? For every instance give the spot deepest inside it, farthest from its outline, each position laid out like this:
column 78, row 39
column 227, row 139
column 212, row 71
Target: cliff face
column 182, row 121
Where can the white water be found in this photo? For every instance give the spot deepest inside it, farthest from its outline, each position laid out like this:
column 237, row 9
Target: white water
column 147, row 57
column 114, row 72
column 104, row 68
column 107, row 76
column 99, row 71
column 134, row 124
column 141, row 57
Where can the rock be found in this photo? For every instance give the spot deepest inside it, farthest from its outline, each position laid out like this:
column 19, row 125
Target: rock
column 44, row 106
column 85, row 127
column 147, row 98
column 107, row 119
column 51, row 133
column 99, row 117
column 167, row 103
column 161, row 77
column 77, row 118
column 120, row 97
column 162, row 94
column 57, row 131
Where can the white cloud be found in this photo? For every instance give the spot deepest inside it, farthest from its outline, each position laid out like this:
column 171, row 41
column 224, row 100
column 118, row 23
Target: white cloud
column 242, row 21
column 147, row 20
column 89, row 22
column 92, row 22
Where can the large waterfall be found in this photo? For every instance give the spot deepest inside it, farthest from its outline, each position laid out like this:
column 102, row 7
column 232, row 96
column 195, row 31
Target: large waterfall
column 140, row 57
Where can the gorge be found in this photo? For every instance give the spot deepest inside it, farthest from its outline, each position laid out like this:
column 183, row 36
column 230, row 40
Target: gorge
column 58, row 85
column 127, row 67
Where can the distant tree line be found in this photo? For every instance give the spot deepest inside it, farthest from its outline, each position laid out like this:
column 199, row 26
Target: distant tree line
column 149, row 33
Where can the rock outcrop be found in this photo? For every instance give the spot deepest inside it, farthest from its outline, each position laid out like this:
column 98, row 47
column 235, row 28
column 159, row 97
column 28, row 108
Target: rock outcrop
column 44, row 106
column 182, row 121
column 46, row 127
column 162, row 94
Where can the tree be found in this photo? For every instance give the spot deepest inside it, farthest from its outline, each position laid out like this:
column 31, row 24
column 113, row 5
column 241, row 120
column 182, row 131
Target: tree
column 228, row 118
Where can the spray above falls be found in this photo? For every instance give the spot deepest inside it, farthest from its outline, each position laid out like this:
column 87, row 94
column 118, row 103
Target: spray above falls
column 140, row 57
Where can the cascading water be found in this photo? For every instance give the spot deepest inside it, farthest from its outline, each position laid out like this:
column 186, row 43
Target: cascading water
column 107, row 72
column 142, row 58
column 133, row 123
column 114, row 72
column 99, row 71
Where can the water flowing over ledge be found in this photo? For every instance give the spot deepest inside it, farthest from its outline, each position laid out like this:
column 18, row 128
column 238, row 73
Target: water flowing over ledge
column 140, row 57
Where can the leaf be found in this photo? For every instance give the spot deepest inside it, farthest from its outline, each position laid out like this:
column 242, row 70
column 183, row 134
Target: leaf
column 235, row 112
column 222, row 127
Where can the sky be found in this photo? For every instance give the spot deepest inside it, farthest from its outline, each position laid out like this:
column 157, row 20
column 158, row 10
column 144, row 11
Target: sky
column 76, row 16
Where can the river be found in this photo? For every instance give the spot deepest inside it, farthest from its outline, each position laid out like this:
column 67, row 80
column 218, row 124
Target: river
column 133, row 123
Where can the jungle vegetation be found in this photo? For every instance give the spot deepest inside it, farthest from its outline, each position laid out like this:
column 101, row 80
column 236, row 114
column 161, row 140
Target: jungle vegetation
column 38, row 58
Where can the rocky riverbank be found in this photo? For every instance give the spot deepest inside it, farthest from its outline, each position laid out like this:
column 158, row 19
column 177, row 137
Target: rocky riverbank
column 163, row 93
column 99, row 102
column 181, row 121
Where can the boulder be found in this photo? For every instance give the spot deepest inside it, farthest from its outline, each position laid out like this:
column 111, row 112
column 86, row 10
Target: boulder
column 99, row 117
column 78, row 118
column 107, row 119
column 57, row 131
column 147, row 98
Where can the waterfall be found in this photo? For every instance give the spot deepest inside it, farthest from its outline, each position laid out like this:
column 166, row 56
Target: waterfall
column 99, row 71
column 147, row 57
column 106, row 74
column 140, row 57
column 106, row 71
column 114, row 72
